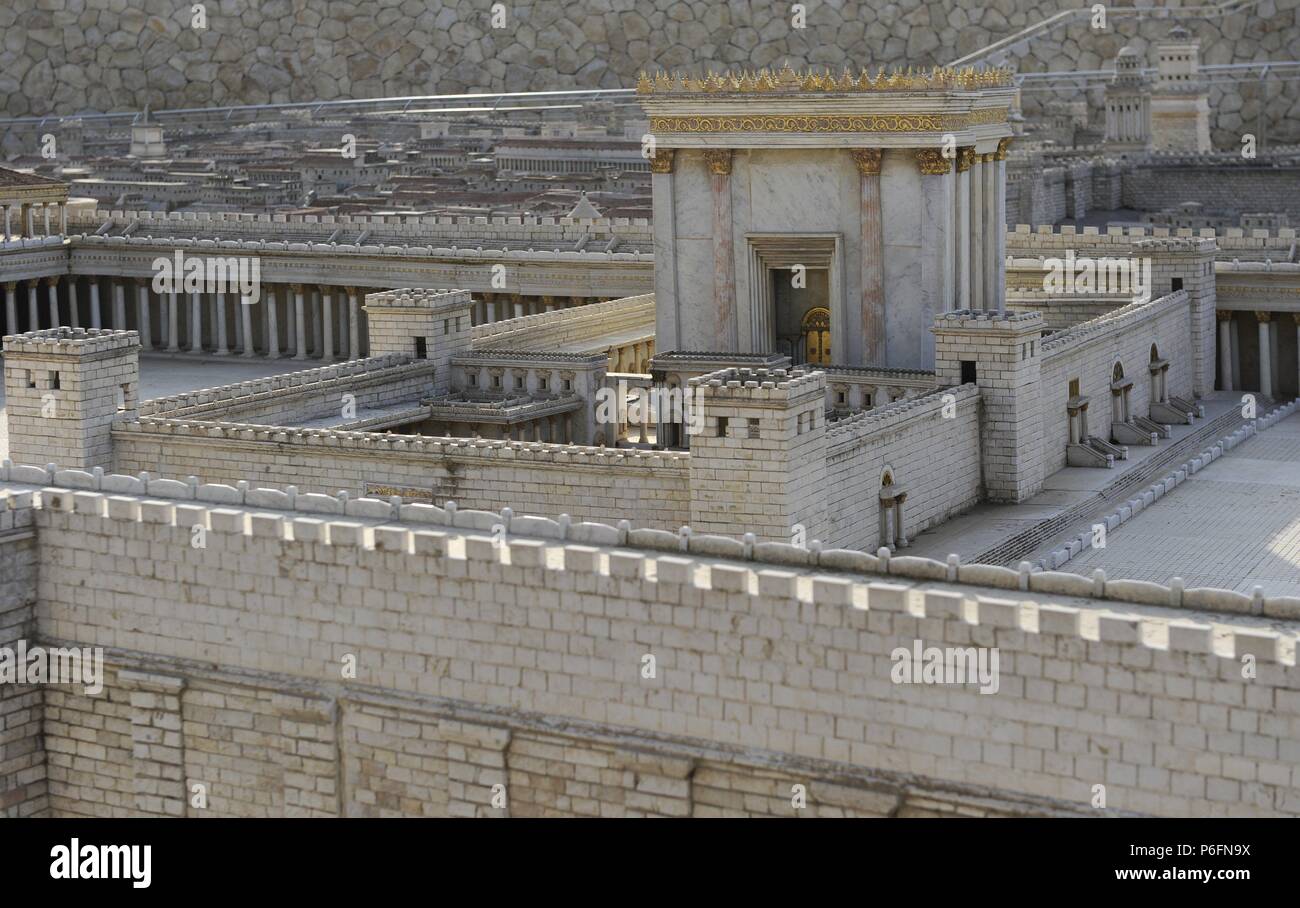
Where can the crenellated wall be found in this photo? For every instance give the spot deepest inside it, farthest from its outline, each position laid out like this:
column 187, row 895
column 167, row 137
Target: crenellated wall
column 479, row 663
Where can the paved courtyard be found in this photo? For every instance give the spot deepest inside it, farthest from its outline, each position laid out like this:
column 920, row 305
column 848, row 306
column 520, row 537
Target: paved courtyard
column 163, row 374
column 1234, row 524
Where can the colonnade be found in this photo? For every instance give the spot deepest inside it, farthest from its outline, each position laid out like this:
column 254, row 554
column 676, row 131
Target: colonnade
column 496, row 307
column 553, row 429
column 302, row 321
column 1250, row 351
column 20, row 219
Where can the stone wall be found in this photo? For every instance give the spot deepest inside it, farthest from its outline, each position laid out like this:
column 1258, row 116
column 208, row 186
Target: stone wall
column 63, row 56
column 931, row 447
column 22, row 709
column 521, row 665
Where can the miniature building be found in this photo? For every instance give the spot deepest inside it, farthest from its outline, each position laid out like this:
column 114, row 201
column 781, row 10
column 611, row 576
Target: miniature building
column 1128, row 105
column 1180, row 106
column 870, row 204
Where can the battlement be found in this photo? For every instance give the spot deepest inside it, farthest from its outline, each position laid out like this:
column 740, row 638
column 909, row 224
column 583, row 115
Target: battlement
column 1113, row 321
column 64, row 341
column 883, row 418
column 923, row 587
column 753, row 385
column 988, row 321
column 1022, row 235
column 433, row 300
column 416, row 222
column 303, row 380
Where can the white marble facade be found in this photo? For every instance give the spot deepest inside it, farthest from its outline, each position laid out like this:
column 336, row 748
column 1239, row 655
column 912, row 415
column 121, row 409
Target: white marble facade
column 885, row 189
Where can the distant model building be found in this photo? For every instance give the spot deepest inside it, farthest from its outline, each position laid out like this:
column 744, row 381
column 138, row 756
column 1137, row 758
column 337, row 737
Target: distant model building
column 1180, row 108
column 147, row 138
column 1128, row 105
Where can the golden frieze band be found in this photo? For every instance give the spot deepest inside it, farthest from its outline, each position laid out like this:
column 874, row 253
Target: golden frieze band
column 828, row 124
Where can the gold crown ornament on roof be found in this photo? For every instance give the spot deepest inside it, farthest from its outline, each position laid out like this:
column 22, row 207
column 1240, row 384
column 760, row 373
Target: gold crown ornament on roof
column 787, row 79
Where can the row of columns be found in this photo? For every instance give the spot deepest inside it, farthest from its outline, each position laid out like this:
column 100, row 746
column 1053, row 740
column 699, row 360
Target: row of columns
column 23, row 216
column 554, row 429
column 496, row 307
column 299, row 320
column 632, row 358
column 1269, row 325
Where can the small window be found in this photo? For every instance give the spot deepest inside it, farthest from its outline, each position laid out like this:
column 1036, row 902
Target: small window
column 54, row 381
column 446, row 326
column 496, row 381
column 568, row 384
column 967, row 371
column 1176, row 284
column 473, row 379
column 121, row 397
column 722, row 427
column 840, row 397
column 753, row 428
column 544, row 383
column 519, row 382
column 421, row 349
column 28, row 378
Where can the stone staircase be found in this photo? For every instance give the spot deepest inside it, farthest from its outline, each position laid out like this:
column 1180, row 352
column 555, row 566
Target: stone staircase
column 1041, row 535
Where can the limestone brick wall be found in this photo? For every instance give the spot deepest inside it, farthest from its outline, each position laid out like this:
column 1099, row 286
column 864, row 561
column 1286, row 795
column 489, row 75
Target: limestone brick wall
column 22, row 750
column 296, row 397
column 568, row 329
column 520, row 665
column 1089, row 352
column 586, row 483
column 1220, row 183
column 296, row 50
column 931, row 447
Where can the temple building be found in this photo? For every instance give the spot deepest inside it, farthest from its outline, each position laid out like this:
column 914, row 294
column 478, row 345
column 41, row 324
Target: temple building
column 827, row 219
column 1180, row 106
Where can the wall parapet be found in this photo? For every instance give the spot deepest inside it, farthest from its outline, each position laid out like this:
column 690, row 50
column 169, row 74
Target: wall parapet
column 869, row 423
column 303, row 380
column 1123, row 317
column 422, row 529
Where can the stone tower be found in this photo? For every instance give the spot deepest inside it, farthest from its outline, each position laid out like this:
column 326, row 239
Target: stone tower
column 759, row 464
column 1187, row 263
column 425, row 324
column 1128, row 105
column 999, row 352
column 64, row 387
column 1180, row 105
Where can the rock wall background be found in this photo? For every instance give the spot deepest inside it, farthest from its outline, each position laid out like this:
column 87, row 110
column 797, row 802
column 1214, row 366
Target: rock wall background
column 68, row 56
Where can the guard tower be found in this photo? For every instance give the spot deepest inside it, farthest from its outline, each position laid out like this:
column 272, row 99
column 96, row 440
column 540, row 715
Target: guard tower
column 1180, row 106
column 425, row 324
column 853, row 207
column 64, row 387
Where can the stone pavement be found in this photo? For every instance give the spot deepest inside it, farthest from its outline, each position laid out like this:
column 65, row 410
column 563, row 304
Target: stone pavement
column 1234, row 524
column 162, row 375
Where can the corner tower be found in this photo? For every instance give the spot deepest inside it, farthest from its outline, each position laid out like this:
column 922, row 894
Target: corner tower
column 64, row 387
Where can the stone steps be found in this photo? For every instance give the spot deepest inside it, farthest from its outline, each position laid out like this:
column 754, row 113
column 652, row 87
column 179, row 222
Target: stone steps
column 1015, row 548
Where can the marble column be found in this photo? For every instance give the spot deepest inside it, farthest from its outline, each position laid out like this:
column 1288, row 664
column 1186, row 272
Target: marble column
column 936, row 240
column 724, row 260
column 8, row 222
column 33, row 304
column 143, row 322
column 977, row 238
column 867, row 161
column 1236, row 354
column 219, row 313
column 119, row 303
column 74, row 316
column 11, row 305
column 246, row 326
column 317, row 323
column 961, row 212
column 63, row 219
column 1265, row 354
column 998, row 223
column 327, row 324
column 341, row 324
column 548, row 303
column 490, row 300
column 196, row 322
column 173, row 324
column 52, row 291
column 96, row 316
column 299, row 323
column 45, row 212
column 518, row 302
column 1225, row 349
column 354, row 324
column 270, row 296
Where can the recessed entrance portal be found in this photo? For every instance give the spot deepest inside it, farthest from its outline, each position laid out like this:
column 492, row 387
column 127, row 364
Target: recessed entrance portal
column 801, row 312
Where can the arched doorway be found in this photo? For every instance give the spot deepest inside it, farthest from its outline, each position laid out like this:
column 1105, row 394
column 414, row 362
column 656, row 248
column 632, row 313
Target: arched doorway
column 816, row 336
